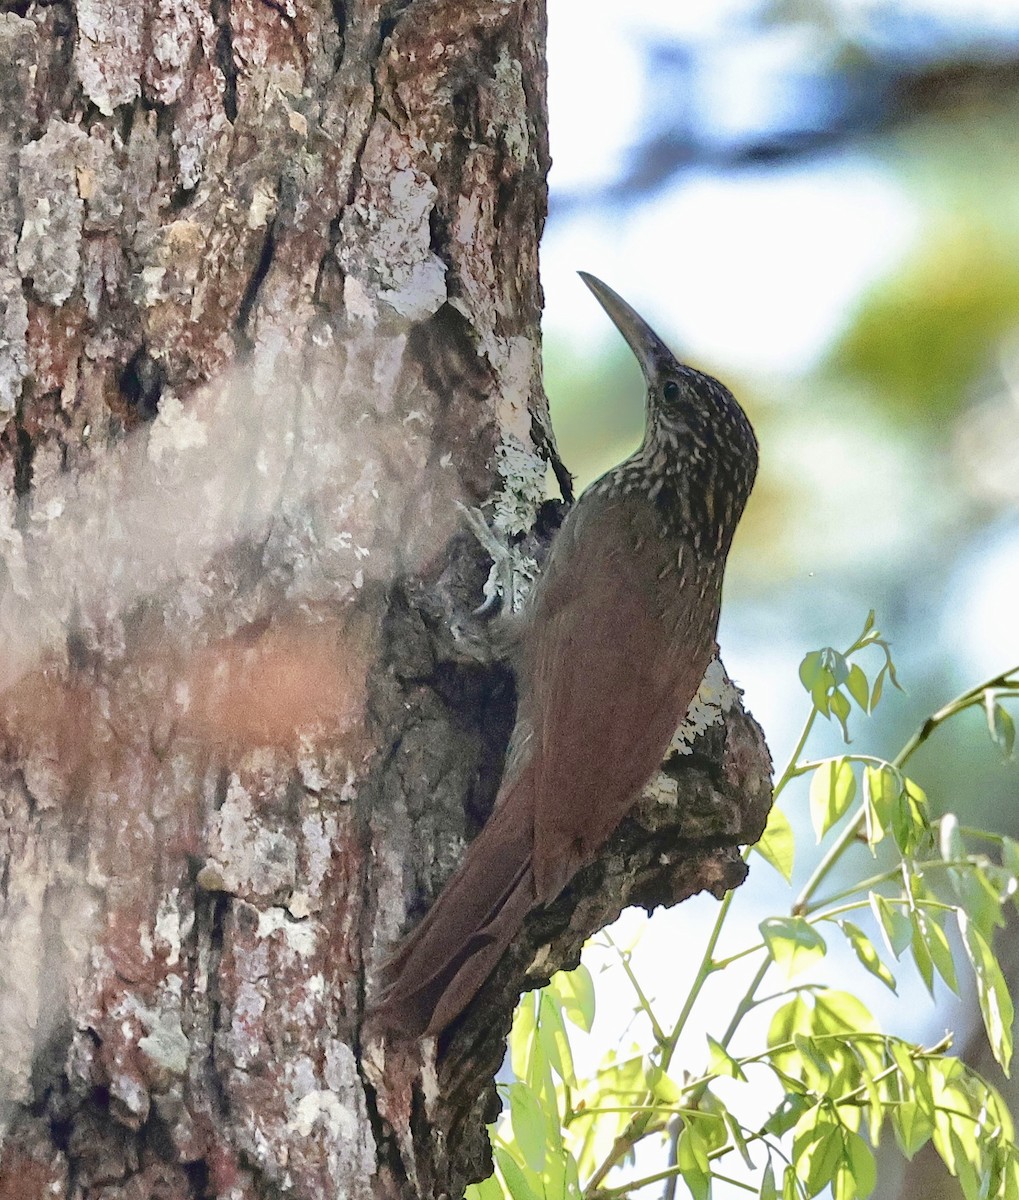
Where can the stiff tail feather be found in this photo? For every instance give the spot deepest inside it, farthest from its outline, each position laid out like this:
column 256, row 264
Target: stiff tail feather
column 440, row 966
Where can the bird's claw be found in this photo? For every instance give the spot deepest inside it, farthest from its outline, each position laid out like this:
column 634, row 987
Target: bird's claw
column 499, row 588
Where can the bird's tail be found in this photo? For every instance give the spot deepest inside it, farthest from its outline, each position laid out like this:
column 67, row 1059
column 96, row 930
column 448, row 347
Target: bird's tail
column 440, row 966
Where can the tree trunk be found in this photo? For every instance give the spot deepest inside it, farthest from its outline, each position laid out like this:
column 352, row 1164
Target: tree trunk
column 268, row 309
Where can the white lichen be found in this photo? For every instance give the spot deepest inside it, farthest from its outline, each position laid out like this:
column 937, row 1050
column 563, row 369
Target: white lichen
column 715, row 697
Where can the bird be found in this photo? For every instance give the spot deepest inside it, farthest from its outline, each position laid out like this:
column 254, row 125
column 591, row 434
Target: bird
column 612, row 644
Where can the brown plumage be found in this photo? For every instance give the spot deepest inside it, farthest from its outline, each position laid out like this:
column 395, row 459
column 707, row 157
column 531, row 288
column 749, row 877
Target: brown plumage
column 616, row 637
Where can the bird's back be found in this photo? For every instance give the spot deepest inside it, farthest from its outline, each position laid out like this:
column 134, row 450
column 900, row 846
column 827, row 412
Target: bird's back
column 621, row 630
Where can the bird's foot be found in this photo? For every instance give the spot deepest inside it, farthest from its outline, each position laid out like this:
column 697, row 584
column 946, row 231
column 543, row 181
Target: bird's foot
column 501, row 582
column 490, row 637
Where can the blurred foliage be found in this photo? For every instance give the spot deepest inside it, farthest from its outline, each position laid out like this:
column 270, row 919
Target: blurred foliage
column 923, row 336
column 932, row 896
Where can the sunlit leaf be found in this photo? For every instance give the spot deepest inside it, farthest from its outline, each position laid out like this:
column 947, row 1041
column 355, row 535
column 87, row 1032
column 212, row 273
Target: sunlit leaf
column 793, row 943
column 692, row 1160
column 553, row 1037
column 811, row 669
column 817, row 1071
column 921, row 954
column 881, row 788
column 793, row 1017
column 911, row 1125
column 528, row 1122
column 663, row 1086
column 788, row 1113
column 839, row 707
column 866, row 952
column 940, row 950
column 488, row 1189
column 878, row 688
column 995, row 1002
column 910, row 822
column 523, row 1036
column 576, row 992
column 895, row 925
column 858, row 1162
column 832, row 789
column 856, row 686
column 817, row 1148
column 980, row 899
column 777, row 844
column 738, row 1139
column 840, row 1012
column 721, row 1062
column 521, row 1185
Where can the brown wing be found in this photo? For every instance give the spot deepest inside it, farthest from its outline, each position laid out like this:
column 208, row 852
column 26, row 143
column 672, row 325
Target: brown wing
column 625, row 638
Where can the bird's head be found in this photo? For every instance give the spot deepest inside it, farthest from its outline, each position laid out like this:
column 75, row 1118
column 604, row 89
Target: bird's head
column 696, row 430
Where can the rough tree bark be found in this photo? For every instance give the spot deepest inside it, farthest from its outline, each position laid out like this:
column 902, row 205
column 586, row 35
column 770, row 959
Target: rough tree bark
column 268, row 308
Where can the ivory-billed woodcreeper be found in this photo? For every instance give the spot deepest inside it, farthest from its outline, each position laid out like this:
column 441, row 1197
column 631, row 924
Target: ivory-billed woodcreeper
column 613, row 643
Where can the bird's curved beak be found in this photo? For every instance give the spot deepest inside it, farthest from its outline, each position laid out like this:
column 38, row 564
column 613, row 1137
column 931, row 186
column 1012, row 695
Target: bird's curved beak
column 649, row 348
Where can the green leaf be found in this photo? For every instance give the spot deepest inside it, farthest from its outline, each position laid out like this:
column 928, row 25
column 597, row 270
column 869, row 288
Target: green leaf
column 793, row 943
column 575, row 990
column 721, row 1062
column 818, row 678
column 881, row 789
column 768, row 1190
column 832, row 789
column 817, row 1072
column 840, row 708
column 840, row 1012
column 921, row 954
column 663, row 1086
column 878, row 688
column 895, row 925
column 912, row 1126
column 866, row 952
column 552, row 1034
column 777, row 845
column 787, row 1114
column 1010, row 856
column 817, row 1149
column 992, row 992
column 554, row 1176
column 856, row 686
column 793, row 1017
column 790, row 1186
column 811, row 670
column 528, row 1122
column 857, row 1174
column 488, row 1189
column 939, row 948
column 738, row 1140
column 517, row 1179
column 910, row 823
column 523, row 1036
column 692, row 1160
column 980, row 899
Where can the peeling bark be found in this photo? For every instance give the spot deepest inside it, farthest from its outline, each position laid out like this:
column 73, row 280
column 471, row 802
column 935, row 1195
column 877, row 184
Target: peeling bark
column 268, row 308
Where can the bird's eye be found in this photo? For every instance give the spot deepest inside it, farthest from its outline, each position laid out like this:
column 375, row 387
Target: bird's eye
column 671, row 391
